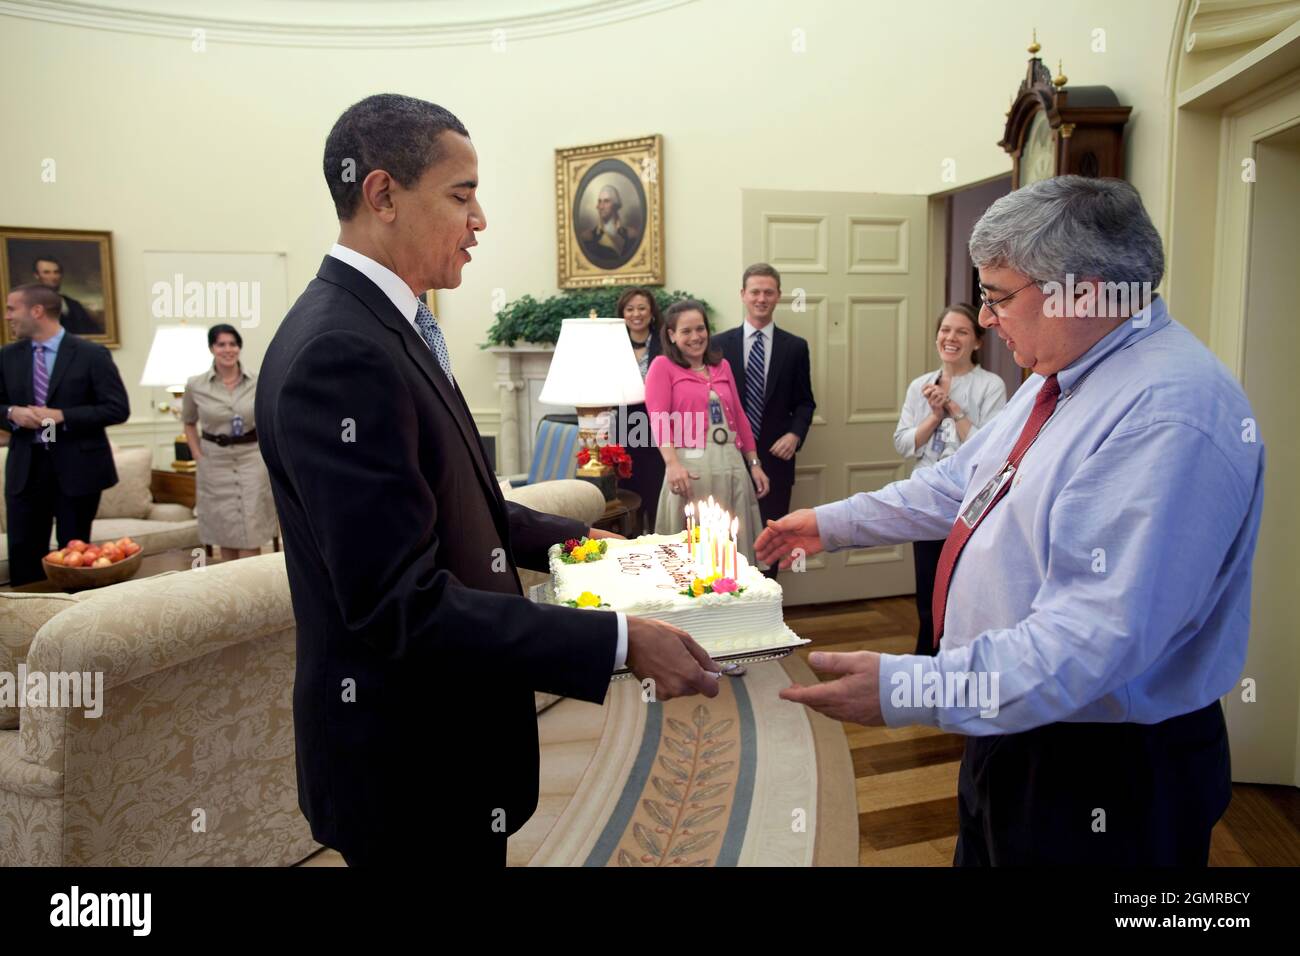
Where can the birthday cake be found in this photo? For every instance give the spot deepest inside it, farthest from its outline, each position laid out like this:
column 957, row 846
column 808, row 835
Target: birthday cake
column 718, row 598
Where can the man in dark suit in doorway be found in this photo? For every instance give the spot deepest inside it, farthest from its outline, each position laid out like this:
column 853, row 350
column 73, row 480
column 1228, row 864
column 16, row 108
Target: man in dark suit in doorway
column 774, row 378
column 417, row 654
column 58, row 393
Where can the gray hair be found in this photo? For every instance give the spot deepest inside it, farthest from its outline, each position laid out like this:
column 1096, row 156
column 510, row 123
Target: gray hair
column 1071, row 225
column 613, row 194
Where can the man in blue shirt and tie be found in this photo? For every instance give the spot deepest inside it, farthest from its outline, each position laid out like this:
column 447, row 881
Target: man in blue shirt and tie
column 58, row 392
column 1093, row 599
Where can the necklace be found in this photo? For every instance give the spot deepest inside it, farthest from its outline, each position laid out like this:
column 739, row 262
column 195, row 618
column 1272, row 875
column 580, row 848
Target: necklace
column 642, row 344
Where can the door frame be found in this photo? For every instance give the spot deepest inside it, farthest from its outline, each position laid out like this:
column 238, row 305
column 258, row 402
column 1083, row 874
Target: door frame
column 1222, row 103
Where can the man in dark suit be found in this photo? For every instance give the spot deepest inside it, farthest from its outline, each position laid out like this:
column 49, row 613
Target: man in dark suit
column 59, row 393
column 417, row 654
column 49, row 272
column 774, row 379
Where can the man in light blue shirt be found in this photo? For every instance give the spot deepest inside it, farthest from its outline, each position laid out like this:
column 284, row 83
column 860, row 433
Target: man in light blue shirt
column 1100, row 606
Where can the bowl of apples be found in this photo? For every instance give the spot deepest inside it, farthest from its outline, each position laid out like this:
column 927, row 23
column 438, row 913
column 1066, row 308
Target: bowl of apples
column 81, row 565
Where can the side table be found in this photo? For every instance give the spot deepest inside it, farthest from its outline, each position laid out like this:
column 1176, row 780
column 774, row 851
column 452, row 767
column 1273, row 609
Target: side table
column 622, row 515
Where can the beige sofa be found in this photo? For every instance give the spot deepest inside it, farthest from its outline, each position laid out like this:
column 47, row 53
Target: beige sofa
column 192, row 759
column 125, row 509
column 569, row 497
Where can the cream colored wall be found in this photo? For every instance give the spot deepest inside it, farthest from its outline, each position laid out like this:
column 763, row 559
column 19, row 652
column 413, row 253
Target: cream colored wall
column 220, row 151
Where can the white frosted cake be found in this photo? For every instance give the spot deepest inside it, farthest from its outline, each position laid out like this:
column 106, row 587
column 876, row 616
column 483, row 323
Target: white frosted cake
column 645, row 576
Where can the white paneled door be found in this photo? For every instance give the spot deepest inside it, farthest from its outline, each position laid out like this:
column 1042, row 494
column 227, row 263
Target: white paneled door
column 854, row 279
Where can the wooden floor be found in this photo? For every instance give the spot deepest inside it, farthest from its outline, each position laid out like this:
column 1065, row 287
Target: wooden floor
column 907, row 777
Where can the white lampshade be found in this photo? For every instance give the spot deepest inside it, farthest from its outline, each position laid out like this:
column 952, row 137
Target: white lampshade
column 593, row 366
column 178, row 352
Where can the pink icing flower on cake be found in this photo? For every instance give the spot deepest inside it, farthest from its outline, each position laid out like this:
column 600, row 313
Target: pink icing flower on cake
column 724, row 586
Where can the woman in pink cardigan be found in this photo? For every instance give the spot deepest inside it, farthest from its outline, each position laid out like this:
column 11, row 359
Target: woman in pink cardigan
column 698, row 423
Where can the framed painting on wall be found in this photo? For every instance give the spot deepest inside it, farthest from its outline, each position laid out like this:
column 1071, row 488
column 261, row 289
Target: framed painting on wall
column 609, row 213
column 76, row 263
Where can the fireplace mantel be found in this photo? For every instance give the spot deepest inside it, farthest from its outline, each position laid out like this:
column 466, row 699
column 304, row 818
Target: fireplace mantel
column 520, row 375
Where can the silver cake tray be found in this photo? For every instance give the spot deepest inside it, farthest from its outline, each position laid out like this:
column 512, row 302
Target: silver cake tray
column 545, row 594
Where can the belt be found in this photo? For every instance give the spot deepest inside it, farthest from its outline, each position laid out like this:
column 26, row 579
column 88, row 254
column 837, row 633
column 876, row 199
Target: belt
column 224, row 440
column 720, row 435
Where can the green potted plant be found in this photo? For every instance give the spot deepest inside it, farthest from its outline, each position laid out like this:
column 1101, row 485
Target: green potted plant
column 527, row 319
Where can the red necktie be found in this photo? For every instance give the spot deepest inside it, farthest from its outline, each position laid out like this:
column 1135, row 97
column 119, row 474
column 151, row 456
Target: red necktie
column 1044, row 405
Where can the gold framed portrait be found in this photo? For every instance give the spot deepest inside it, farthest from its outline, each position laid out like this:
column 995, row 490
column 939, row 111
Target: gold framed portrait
column 610, row 213
column 76, row 263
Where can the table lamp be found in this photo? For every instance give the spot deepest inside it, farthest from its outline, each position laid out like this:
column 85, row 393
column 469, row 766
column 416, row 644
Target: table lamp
column 177, row 353
column 594, row 370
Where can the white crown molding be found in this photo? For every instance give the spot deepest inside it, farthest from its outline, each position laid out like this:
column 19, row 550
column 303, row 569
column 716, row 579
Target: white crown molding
column 394, row 26
column 1215, row 24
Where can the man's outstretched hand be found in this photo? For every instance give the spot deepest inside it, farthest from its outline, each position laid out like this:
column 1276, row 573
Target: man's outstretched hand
column 854, row 697
column 778, row 541
column 670, row 657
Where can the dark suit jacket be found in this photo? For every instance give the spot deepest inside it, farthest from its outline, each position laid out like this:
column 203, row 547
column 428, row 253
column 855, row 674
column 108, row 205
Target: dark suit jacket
column 788, row 404
column 86, row 387
column 401, row 554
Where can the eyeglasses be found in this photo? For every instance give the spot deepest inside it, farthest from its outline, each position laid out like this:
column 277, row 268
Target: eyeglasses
column 989, row 304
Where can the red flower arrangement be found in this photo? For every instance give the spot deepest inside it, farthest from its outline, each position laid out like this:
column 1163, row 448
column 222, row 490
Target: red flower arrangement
column 612, row 455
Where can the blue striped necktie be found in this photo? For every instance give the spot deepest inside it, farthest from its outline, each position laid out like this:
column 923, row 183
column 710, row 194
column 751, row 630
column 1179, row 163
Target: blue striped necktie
column 432, row 335
column 754, row 383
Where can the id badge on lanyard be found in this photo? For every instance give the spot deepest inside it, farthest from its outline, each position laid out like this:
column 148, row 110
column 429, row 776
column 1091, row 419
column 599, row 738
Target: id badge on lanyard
column 988, row 494
column 715, row 411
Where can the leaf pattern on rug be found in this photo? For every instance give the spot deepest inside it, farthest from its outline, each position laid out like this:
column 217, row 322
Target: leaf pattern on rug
column 681, row 813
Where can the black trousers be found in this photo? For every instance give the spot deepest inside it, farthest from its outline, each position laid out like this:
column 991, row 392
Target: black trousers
column 776, row 504
column 32, row 514
column 925, row 556
column 1107, row 794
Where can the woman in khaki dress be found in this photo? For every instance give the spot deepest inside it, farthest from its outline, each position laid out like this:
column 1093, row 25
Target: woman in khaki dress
column 233, row 494
column 701, row 430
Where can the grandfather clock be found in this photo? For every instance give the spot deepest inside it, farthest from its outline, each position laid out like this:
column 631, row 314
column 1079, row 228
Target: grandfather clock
column 1051, row 130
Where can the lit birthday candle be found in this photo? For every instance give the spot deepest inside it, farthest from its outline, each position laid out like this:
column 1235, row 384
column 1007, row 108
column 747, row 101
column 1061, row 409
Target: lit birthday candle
column 690, row 531
column 735, row 533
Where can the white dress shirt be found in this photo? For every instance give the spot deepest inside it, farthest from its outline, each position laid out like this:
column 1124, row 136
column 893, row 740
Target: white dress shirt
column 400, row 294
column 979, row 393
column 767, row 332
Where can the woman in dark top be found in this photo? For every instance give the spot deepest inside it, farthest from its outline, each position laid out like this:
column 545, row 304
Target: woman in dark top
column 640, row 313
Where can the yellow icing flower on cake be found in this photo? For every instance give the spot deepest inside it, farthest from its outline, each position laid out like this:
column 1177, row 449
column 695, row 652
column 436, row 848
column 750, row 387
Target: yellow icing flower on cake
column 697, row 587
column 587, row 599
column 712, row 577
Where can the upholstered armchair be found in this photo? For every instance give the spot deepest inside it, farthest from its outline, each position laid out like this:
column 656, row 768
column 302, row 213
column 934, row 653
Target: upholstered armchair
column 569, row 497
column 192, row 760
